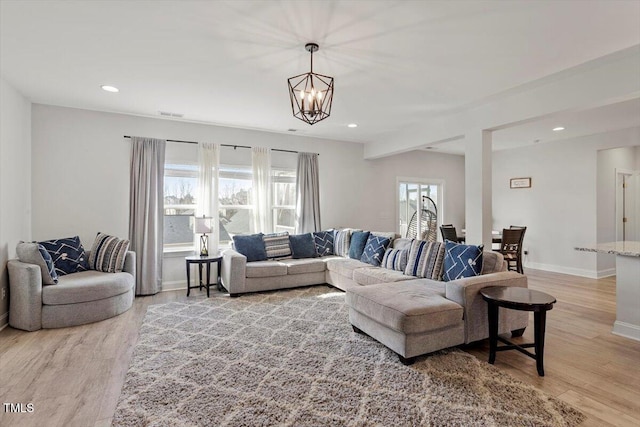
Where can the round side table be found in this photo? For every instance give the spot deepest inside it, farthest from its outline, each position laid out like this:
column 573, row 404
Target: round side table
column 518, row 299
column 203, row 260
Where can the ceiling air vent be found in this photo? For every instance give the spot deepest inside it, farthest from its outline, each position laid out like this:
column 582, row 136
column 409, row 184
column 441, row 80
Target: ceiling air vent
column 292, row 130
column 170, row 114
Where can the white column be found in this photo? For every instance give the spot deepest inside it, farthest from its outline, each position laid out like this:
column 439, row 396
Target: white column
column 477, row 166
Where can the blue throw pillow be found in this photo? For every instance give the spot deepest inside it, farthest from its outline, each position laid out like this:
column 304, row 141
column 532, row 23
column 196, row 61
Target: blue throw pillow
column 374, row 249
column 302, row 246
column 324, row 242
column 251, row 246
column 67, row 254
column 357, row 244
column 461, row 261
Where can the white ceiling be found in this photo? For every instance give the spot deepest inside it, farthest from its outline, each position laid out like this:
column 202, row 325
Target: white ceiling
column 395, row 63
column 620, row 115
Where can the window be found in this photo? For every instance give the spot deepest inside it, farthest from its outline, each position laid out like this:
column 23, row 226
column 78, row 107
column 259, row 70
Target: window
column 419, row 205
column 235, row 202
column 284, row 200
column 180, row 185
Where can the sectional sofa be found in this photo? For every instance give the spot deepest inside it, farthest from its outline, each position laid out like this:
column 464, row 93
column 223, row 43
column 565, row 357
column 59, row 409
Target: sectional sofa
column 411, row 316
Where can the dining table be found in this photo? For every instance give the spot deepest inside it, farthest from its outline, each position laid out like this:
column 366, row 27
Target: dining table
column 496, row 236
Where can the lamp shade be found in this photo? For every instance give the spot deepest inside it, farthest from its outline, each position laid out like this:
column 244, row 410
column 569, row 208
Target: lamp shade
column 203, row 224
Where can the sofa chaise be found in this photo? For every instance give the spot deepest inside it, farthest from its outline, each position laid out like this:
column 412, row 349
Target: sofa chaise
column 411, row 316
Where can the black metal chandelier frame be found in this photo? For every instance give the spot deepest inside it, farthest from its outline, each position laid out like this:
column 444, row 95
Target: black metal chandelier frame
column 311, row 94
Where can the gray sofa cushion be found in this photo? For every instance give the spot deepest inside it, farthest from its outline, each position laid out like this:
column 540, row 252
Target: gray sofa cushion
column 345, row 266
column 86, row 286
column 492, row 262
column 303, row 266
column 433, row 285
column 405, row 307
column 374, row 275
column 34, row 253
column 402, row 243
column 266, row 269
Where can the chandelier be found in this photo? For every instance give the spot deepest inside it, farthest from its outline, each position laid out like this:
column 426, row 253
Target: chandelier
column 311, row 94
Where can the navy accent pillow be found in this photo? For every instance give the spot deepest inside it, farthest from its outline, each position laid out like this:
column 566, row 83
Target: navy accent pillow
column 302, row 246
column 251, row 246
column 324, row 242
column 67, row 254
column 461, row 261
column 374, row 249
column 358, row 242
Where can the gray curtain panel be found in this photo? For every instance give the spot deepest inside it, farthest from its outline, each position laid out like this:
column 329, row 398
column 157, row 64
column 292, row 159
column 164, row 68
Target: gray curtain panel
column 307, row 194
column 146, row 216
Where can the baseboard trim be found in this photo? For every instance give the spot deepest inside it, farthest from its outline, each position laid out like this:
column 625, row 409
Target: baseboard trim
column 4, row 320
column 626, row 330
column 175, row 285
column 591, row 274
column 606, row 273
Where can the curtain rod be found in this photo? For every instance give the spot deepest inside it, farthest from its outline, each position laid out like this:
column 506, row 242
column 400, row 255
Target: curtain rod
column 228, row 145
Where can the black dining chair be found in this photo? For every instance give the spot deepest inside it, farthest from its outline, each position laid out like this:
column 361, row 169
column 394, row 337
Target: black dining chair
column 449, row 233
column 511, row 247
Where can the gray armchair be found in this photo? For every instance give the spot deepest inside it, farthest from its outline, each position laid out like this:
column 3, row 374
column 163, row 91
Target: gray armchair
column 78, row 298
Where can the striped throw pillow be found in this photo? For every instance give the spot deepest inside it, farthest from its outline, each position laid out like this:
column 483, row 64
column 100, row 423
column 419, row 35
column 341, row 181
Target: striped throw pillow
column 395, row 259
column 425, row 260
column 342, row 242
column 108, row 253
column 277, row 245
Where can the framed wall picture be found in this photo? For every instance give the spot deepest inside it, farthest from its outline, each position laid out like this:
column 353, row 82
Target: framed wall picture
column 520, row 183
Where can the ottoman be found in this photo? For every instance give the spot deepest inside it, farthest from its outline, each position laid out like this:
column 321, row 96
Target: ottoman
column 408, row 317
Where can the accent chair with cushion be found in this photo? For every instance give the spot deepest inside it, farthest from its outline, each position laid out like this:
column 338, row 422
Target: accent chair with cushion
column 77, row 296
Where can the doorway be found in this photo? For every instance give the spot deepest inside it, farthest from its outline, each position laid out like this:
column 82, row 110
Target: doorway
column 627, row 205
column 419, row 207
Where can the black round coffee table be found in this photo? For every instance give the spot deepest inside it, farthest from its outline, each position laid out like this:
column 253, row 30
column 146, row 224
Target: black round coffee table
column 518, row 299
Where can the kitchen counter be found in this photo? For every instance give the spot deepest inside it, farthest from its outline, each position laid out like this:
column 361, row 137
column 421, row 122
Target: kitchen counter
column 627, row 254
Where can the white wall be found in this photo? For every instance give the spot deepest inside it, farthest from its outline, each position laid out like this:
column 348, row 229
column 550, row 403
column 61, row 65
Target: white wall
column 15, row 181
column 560, row 209
column 379, row 186
column 81, row 174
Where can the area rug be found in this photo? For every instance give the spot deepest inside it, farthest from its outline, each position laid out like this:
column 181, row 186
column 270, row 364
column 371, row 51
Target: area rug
column 290, row 358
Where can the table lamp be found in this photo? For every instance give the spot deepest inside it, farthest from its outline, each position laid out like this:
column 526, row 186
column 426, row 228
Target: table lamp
column 202, row 226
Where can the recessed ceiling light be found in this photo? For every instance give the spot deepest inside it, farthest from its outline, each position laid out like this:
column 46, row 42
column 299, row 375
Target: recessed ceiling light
column 352, row 125
column 558, row 129
column 110, row 88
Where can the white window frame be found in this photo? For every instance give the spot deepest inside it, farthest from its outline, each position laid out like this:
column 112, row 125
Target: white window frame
column 179, row 247
column 237, row 171
column 245, row 172
column 275, row 207
column 420, row 181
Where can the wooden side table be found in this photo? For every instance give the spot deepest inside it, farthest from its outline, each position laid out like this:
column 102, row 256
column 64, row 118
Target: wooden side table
column 203, row 260
column 518, row 299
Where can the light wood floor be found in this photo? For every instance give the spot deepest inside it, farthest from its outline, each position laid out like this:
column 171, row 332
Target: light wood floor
column 73, row 376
